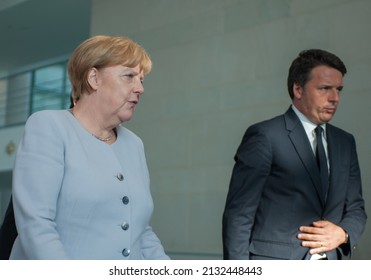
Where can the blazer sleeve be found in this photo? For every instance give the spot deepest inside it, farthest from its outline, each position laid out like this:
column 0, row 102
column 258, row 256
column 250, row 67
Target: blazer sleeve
column 250, row 172
column 354, row 216
column 37, row 178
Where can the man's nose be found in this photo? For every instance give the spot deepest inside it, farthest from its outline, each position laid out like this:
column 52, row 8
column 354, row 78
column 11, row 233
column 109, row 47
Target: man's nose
column 334, row 95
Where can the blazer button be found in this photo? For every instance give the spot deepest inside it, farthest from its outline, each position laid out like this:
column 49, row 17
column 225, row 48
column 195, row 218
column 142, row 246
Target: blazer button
column 125, row 200
column 125, row 226
column 126, row 252
column 120, row 176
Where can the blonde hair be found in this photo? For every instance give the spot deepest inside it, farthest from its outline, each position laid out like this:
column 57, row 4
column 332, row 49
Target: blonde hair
column 103, row 51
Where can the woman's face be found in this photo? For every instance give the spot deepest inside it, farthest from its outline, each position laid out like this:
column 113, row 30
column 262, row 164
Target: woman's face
column 119, row 89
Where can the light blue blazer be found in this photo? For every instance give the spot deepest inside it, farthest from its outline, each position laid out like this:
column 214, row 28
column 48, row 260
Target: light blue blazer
column 75, row 197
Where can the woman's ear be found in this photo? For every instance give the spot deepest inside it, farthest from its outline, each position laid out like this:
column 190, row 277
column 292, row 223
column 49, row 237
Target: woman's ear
column 93, row 78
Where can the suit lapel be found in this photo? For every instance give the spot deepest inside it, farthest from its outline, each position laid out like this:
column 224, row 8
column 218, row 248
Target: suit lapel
column 334, row 153
column 302, row 146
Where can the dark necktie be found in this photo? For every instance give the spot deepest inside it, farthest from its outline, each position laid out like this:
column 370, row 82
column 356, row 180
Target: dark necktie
column 322, row 161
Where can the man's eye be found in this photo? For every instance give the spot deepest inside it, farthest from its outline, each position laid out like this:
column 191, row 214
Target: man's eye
column 325, row 89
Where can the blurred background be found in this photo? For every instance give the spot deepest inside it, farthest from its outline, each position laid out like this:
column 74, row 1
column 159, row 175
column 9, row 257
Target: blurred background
column 219, row 66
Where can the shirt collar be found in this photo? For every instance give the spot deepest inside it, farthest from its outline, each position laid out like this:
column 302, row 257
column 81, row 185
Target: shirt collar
column 308, row 125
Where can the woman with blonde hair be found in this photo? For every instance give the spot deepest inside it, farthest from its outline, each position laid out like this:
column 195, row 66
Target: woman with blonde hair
column 81, row 187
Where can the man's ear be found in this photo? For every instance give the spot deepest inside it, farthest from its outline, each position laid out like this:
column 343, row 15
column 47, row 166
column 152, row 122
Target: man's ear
column 298, row 91
column 93, row 78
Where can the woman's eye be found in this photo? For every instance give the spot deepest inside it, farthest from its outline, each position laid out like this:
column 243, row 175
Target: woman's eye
column 132, row 76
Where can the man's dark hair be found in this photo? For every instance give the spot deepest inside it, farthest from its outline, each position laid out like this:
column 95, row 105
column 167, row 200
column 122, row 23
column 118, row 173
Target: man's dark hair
column 302, row 66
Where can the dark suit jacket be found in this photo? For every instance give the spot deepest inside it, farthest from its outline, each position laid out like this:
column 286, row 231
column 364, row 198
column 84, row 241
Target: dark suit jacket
column 275, row 189
column 8, row 233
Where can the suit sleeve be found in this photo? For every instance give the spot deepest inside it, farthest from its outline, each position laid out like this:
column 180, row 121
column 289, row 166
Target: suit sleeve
column 37, row 178
column 354, row 217
column 252, row 166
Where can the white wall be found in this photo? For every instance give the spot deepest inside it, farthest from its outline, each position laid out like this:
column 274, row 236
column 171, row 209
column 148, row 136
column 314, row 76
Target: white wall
column 219, row 66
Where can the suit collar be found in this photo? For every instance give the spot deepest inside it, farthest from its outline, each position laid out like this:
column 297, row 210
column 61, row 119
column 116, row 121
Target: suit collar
column 291, row 119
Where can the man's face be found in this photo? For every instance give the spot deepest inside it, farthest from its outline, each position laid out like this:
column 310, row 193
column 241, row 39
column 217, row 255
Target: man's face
column 319, row 97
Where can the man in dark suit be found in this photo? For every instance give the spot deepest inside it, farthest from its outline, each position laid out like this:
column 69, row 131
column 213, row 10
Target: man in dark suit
column 8, row 233
column 295, row 193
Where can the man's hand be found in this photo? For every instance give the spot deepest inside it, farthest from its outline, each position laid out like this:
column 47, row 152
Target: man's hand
column 321, row 236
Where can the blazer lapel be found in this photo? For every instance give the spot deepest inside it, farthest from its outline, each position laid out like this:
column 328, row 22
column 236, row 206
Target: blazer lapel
column 334, row 153
column 301, row 143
